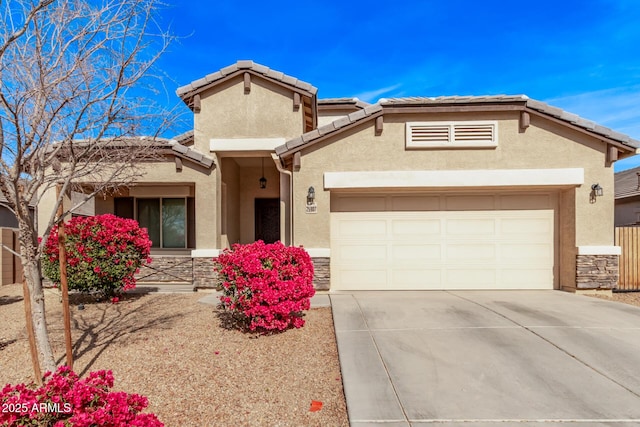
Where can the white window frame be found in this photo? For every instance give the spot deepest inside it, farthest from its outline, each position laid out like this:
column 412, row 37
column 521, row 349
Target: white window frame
column 451, row 142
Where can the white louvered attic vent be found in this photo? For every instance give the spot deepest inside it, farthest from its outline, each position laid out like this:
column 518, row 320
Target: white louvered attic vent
column 452, row 134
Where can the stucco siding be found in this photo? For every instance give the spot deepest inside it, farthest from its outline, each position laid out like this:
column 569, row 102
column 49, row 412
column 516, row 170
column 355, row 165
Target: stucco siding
column 161, row 173
column 230, row 203
column 543, row 145
column 227, row 112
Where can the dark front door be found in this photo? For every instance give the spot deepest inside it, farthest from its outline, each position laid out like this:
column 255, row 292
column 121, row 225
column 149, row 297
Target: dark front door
column 267, row 220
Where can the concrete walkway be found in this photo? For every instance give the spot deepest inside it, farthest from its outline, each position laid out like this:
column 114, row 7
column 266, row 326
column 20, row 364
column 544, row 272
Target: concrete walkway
column 488, row 358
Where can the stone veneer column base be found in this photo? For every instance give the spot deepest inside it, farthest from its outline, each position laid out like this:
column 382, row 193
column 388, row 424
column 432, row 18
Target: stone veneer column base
column 203, row 275
column 199, row 271
column 596, row 272
column 321, row 273
column 166, row 269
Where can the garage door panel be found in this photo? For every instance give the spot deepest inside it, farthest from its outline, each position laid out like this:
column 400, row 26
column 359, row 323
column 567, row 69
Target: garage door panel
column 363, row 278
column 525, row 202
column 469, row 203
column 471, row 226
column 415, row 227
column 416, row 204
column 470, row 251
column 417, row 278
column 363, row 252
column 472, row 278
column 373, row 228
column 409, row 254
column 532, row 253
column 519, row 226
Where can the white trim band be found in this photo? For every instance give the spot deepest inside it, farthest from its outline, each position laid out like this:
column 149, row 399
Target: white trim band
column 599, row 250
column 318, row 252
column 205, row 253
column 454, row 178
column 245, row 144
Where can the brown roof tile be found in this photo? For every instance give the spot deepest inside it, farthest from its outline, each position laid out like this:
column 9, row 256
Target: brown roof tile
column 523, row 100
column 626, row 183
column 194, row 87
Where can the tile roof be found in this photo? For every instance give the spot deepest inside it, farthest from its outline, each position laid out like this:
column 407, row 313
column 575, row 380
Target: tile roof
column 184, row 138
column 526, row 101
column 32, row 203
column 418, row 100
column 332, row 127
column 189, row 153
column 210, row 79
column 627, row 183
column 355, row 102
column 175, row 145
column 522, row 100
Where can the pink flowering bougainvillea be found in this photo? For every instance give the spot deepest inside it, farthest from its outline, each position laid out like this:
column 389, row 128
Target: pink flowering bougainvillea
column 268, row 285
column 103, row 253
column 64, row 400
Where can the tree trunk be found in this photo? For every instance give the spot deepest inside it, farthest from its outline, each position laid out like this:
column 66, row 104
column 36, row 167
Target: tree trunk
column 38, row 315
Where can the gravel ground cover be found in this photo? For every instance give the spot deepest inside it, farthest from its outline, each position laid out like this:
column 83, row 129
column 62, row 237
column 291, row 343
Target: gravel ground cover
column 632, row 298
column 174, row 350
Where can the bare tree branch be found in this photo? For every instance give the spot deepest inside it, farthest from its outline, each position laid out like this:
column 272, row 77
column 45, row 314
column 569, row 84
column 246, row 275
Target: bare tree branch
column 74, row 79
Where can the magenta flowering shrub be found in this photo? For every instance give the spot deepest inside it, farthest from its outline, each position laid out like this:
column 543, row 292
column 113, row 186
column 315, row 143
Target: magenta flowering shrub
column 103, row 253
column 266, row 285
column 64, row 400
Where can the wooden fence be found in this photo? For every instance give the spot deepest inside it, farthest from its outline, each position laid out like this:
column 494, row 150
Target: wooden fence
column 10, row 266
column 628, row 238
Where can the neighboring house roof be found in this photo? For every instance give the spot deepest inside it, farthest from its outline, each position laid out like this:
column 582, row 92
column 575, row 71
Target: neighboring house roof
column 32, row 202
column 627, row 183
column 341, row 104
column 457, row 103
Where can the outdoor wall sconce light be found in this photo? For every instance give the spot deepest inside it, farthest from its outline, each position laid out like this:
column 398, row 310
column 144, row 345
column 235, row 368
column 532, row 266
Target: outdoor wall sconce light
column 596, row 191
column 311, row 196
column 263, row 180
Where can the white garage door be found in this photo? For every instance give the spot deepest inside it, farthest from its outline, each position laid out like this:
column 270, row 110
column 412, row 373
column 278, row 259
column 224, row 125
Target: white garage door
column 470, row 242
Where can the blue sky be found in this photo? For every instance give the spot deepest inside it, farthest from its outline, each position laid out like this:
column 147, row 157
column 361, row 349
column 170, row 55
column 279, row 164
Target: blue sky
column 582, row 56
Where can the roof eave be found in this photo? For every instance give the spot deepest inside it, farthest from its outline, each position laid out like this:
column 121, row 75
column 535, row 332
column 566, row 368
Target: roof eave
column 187, row 94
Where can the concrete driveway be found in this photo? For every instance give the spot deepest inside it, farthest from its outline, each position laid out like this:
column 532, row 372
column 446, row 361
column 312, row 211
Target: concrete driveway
column 485, row 358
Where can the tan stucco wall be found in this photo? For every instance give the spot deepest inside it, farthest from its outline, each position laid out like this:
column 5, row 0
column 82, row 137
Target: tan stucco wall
column 227, row 112
column 543, row 145
column 566, row 228
column 163, row 173
column 231, row 177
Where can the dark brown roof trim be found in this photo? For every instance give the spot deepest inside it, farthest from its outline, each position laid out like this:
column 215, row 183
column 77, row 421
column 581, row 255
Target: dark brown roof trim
column 326, row 131
column 187, row 92
column 184, row 138
column 330, row 104
column 170, row 146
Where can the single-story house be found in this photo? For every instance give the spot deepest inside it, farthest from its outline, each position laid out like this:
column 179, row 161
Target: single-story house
column 627, row 197
column 452, row 192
